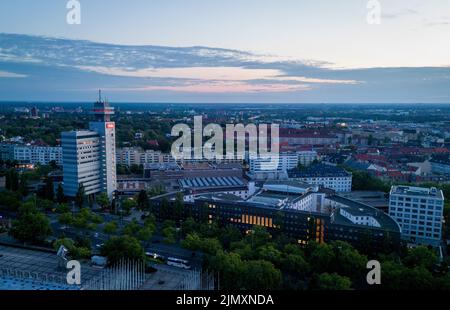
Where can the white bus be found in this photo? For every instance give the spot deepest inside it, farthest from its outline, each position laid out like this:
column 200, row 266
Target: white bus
column 180, row 263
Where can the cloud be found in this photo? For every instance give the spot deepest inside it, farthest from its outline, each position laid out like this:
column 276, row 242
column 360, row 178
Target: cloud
column 443, row 21
column 4, row 74
column 398, row 14
column 219, row 79
column 70, row 70
column 222, row 87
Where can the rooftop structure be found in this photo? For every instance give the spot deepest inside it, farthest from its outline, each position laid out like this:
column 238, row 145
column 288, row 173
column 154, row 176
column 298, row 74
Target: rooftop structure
column 213, row 182
column 102, row 110
column 417, row 191
column 318, row 171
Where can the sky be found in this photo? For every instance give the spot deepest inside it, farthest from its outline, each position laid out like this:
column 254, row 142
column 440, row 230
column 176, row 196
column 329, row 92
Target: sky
column 253, row 50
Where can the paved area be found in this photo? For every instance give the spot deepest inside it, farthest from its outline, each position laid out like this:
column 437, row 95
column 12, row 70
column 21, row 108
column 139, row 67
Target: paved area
column 166, row 278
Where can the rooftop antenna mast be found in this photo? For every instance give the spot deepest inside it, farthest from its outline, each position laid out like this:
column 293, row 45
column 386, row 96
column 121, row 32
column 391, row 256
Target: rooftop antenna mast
column 99, row 95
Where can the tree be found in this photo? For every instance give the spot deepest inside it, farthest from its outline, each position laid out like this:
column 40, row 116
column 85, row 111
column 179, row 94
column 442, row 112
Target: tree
column 145, row 234
column 12, row 180
column 23, row 185
column 169, row 232
column 269, row 253
column 333, row 281
column 110, row 227
column 123, row 247
column 258, row 237
column 66, row 218
column 75, row 252
column 31, row 226
column 49, row 191
column 192, row 242
column 228, row 235
column 348, row 262
column 230, row 268
column 322, row 257
column 60, row 197
column 103, row 200
column 418, row 278
column 10, row 201
column 63, row 208
column 261, row 275
column 45, row 204
column 362, row 180
column 131, row 228
column 189, row 226
column 128, row 205
column 143, row 202
column 179, row 207
column 421, row 257
column 165, row 209
column 295, row 264
column 396, row 276
column 80, row 196
column 150, row 221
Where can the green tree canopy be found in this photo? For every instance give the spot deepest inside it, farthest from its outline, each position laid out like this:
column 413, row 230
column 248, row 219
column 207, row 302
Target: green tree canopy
column 31, row 226
column 103, row 200
column 123, row 247
column 261, row 275
column 333, row 281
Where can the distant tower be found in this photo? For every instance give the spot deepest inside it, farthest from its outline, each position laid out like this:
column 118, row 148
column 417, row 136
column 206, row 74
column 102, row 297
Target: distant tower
column 107, row 131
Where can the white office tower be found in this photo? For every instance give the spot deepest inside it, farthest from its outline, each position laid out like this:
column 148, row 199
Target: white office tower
column 81, row 162
column 419, row 212
column 89, row 157
column 107, row 132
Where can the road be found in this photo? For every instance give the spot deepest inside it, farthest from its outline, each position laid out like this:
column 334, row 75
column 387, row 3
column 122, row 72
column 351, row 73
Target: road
column 97, row 238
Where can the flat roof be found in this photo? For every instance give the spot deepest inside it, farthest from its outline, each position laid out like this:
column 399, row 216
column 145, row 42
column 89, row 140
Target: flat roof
column 42, row 264
column 417, row 191
column 360, row 209
column 319, row 171
column 212, row 182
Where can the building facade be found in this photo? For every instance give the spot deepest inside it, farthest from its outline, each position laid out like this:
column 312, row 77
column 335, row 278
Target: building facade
column 440, row 165
column 136, row 156
column 300, row 211
column 286, row 161
column 81, row 162
column 327, row 176
column 43, row 155
column 419, row 212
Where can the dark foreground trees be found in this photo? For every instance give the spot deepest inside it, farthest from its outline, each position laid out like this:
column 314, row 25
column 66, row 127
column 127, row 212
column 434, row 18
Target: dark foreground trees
column 31, row 225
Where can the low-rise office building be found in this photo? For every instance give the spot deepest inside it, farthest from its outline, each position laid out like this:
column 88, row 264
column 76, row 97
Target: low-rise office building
column 301, row 211
column 419, row 212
